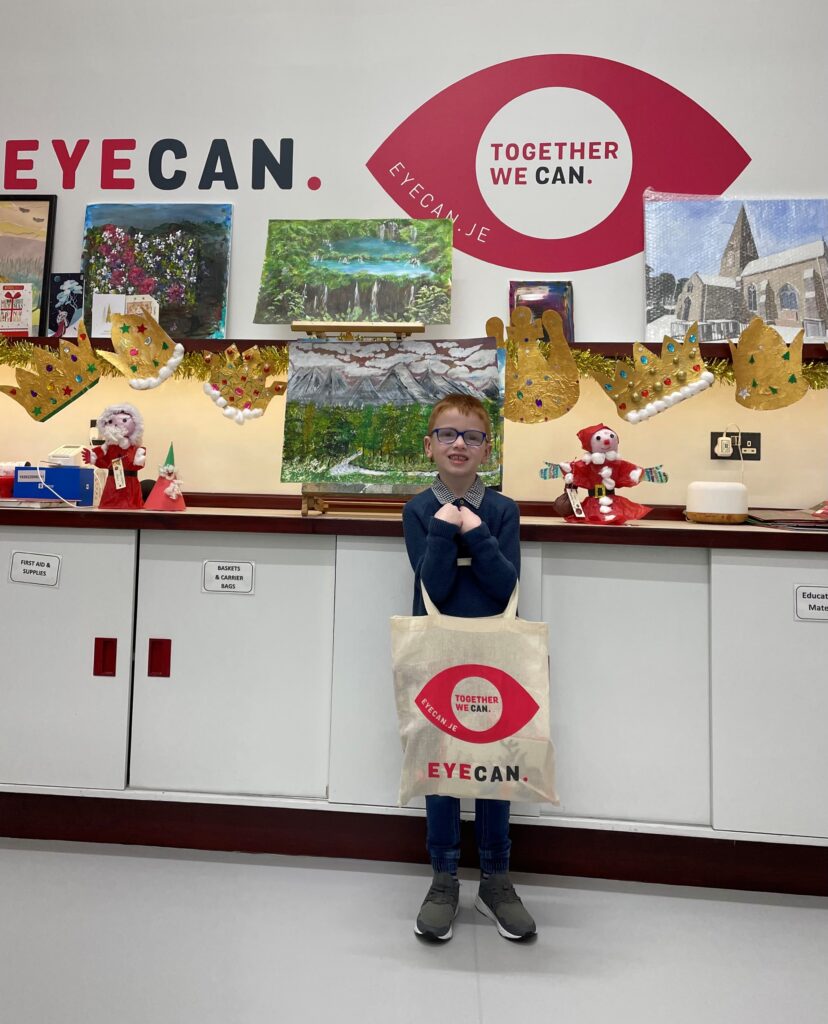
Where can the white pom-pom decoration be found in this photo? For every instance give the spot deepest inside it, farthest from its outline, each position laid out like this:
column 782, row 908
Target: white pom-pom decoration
column 166, row 371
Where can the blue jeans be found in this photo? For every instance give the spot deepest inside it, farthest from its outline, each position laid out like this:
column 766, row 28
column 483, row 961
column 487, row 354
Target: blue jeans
column 491, row 828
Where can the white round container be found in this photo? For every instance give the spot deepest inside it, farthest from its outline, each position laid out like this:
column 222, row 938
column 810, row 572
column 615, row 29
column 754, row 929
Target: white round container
column 715, row 501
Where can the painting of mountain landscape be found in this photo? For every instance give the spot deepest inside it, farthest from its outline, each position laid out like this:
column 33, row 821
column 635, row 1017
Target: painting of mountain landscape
column 357, row 412
column 356, row 270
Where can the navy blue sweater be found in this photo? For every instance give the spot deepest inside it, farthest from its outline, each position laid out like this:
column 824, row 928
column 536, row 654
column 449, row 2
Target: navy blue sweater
column 470, row 591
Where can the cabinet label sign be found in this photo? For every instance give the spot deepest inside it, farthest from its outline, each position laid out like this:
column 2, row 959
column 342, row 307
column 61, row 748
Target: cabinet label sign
column 811, row 603
column 228, row 577
column 28, row 567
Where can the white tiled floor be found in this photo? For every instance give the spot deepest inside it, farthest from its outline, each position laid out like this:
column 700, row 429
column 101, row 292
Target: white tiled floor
column 116, row 935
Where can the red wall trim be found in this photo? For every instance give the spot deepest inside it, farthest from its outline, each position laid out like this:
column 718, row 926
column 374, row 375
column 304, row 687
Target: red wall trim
column 811, row 351
column 591, row 853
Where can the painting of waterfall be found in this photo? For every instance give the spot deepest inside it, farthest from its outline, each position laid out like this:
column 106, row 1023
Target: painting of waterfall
column 377, row 270
column 357, row 412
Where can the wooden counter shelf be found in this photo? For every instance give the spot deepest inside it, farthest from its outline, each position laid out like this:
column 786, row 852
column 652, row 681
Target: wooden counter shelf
column 282, row 514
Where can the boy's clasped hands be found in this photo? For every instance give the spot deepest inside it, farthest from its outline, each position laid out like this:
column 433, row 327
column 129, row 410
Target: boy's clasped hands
column 462, row 517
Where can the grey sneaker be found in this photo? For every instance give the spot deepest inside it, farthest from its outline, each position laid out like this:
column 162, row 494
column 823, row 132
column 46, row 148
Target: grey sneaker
column 497, row 899
column 439, row 907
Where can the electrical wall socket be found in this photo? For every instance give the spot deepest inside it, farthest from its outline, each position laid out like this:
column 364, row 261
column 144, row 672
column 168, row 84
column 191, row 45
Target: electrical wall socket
column 751, row 445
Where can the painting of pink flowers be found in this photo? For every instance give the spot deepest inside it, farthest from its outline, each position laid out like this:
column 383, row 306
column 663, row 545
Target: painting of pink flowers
column 179, row 253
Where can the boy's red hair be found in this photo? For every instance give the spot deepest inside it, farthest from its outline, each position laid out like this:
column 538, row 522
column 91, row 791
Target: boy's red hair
column 466, row 404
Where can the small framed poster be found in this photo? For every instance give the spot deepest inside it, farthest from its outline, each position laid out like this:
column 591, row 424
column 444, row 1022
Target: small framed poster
column 27, row 228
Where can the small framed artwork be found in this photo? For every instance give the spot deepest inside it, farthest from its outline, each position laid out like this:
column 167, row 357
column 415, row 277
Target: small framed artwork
column 542, row 295
column 27, row 228
column 65, row 304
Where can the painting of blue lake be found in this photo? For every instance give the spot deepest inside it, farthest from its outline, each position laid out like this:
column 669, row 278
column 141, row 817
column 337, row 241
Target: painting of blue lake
column 356, row 270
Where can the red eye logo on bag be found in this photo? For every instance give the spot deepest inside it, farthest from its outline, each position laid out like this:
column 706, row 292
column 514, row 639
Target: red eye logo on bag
column 541, row 162
column 476, row 703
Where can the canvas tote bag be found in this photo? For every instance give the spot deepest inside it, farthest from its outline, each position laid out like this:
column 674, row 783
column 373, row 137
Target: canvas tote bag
column 473, row 705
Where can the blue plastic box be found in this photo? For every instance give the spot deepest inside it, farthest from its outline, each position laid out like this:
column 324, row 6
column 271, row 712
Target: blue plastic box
column 72, row 483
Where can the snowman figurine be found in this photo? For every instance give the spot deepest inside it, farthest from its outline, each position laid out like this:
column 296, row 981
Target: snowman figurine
column 602, row 471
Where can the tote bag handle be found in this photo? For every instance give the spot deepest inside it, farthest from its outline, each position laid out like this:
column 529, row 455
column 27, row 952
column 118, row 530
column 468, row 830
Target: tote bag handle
column 509, row 612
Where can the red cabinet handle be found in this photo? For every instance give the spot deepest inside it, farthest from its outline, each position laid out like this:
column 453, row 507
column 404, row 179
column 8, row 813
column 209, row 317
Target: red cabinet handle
column 105, row 657
column 158, row 662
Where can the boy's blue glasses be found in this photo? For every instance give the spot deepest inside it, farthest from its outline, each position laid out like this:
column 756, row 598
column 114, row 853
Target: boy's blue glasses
column 448, row 435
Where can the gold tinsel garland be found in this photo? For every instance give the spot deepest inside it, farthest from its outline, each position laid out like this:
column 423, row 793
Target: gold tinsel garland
column 589, row 363
column 196, row 365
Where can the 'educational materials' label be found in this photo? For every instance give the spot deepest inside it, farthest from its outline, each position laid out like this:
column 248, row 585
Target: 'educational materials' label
column 27, row 567
column 811, row 603
column 228, row 577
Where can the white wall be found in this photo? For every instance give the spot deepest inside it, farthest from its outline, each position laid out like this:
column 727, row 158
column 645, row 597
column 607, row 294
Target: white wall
column 338, row 78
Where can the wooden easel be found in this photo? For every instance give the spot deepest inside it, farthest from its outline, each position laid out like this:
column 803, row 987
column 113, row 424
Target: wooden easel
column 344, row 330
column 326, row 501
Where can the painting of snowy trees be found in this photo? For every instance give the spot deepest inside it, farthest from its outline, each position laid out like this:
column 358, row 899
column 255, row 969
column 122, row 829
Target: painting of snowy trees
column 357, row 412
column 721, row 262
column 356, row 270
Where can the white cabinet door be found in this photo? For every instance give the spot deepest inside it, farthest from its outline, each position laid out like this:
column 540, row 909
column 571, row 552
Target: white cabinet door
column 373, row 582
column 246, row 707
column 629, row 645
column 770, row 694
column 61, row 725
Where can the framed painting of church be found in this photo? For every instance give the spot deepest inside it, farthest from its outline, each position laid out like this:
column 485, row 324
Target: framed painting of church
column 722, row 262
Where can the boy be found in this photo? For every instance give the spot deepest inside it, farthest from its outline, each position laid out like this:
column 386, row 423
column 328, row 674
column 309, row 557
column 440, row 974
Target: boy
column 463, row 544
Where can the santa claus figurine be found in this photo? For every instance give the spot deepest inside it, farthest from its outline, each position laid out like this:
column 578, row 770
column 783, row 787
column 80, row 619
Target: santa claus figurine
column 122, row 430
column 602, row 472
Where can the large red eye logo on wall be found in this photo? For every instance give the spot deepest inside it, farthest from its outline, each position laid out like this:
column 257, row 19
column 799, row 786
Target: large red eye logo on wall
column 476, row 703
column 542, row 162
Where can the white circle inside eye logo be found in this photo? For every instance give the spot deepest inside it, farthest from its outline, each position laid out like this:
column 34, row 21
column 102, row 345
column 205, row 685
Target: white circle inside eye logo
column 554, row 162
column 476, row 703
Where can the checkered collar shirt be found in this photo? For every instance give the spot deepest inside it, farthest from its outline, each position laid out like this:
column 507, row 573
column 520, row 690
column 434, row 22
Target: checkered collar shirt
column 473, row 496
